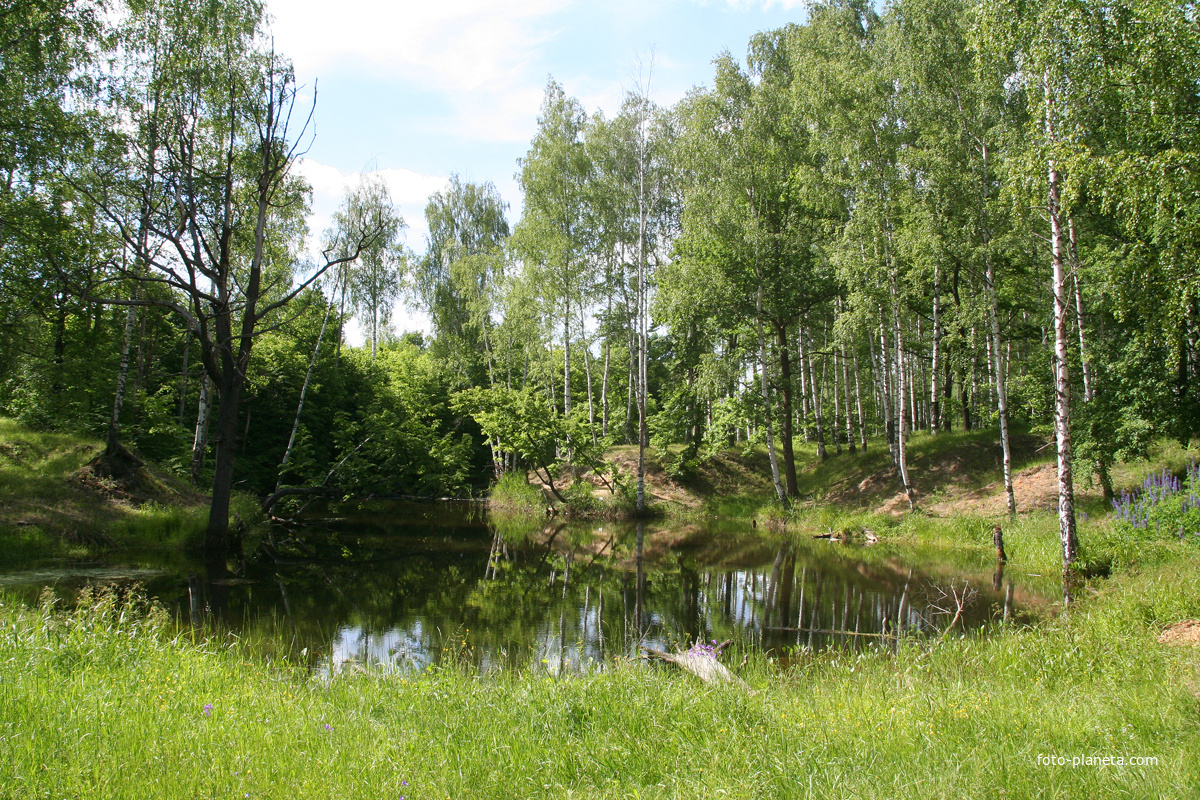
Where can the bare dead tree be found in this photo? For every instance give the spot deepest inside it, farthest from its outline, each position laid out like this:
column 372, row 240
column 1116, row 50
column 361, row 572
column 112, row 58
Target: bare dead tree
column 210, row 190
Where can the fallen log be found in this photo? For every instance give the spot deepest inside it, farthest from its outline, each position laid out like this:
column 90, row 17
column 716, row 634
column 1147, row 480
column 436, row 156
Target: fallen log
column 701, row 662
column 288, row 491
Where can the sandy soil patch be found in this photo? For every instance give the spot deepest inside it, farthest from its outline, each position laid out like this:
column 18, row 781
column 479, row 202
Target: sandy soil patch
column 1181, row 633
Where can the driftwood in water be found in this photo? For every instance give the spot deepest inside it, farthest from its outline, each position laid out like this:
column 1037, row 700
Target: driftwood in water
column 702, row 664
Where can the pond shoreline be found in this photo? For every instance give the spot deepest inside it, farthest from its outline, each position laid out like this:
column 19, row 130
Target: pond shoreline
column 951, row 716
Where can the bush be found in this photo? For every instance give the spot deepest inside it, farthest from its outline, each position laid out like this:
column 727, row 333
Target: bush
column 581, row 496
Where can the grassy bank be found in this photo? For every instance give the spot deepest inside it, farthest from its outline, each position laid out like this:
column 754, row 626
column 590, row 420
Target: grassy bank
column 55, row 502
column 104, row 701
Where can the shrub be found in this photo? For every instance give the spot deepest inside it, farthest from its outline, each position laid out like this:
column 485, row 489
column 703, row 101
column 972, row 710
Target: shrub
column 1166, row 504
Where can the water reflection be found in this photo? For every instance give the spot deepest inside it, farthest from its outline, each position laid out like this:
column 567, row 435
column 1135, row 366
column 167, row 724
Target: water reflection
column 417, row 587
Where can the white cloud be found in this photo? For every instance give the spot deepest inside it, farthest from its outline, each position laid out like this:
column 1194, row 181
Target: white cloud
column 767, row 5
column 479, row 54
column 453, row 44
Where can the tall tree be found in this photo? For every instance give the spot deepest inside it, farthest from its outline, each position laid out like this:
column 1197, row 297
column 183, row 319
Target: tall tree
column 457, row 276
column 554, row 234
column 372, row 279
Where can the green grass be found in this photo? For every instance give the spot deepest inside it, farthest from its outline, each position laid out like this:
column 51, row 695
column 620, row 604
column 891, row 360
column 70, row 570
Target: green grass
column 108, row 700
column 512, row 493
column 51, row 505
column 104, row 701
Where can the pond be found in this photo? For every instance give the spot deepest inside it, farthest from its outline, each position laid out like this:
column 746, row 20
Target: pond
column 409, row 586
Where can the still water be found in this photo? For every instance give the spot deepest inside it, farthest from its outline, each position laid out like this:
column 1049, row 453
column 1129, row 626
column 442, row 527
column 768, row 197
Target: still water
column 408, row 586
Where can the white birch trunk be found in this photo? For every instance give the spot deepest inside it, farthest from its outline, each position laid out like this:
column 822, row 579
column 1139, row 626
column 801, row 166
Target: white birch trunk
column 1062, row 384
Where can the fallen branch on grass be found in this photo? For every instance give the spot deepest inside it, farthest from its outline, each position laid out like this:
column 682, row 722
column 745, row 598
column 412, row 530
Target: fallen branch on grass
column 701, row 661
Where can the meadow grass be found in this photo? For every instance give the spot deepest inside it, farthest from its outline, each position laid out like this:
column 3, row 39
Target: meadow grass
column 109, row 699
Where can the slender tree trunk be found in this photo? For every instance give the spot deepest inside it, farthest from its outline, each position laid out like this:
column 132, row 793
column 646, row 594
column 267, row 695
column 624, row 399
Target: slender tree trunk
column 113, row 444
column 200, row 440
column 998, row 351
column 629, row 395
column 1089, row 386
column 587, row 371
column 818, row 391
column 846, row 401
column 862, row 427
column 914, row 410
column 183, row 378
column 785, row 380
column 643, row 433
column 804, row 382
column 374, row 330
column 964, row 395
column 1001, row 395
column 935, row 419
column 901, row 433
column 344, row 276
column 884, row 370
column 1062, row 383
column 567, row 360
column 604, row 391
column 287, row 452
column 837, row 400
column 766, row 396
column 1084, row 365
column 974, row 374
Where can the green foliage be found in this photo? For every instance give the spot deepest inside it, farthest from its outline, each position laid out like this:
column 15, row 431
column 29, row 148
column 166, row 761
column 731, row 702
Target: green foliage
column 371, row 281
column 580, row 497
column 517, row 420
column 850, row 175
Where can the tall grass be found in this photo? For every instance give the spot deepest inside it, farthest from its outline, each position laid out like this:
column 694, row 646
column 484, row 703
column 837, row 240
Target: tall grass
column 512, row 493
column 104, row 700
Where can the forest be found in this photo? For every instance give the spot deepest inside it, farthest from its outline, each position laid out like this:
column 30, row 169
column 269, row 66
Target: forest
column 921, row 216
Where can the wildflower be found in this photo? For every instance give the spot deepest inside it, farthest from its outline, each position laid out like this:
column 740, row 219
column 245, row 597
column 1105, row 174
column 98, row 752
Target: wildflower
column 328, row 727
column 208, row 709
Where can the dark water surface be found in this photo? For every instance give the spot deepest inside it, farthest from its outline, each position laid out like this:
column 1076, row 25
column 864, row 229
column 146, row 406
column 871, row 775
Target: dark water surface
column 409, row 585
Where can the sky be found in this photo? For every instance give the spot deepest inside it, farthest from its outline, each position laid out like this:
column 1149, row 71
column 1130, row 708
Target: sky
column 420, row 90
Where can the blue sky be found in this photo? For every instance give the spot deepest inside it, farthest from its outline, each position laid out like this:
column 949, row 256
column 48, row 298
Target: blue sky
column 422, row 90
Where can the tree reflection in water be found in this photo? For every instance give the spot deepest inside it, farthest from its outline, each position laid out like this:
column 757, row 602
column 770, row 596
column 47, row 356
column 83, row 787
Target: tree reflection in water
column 422, row 586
